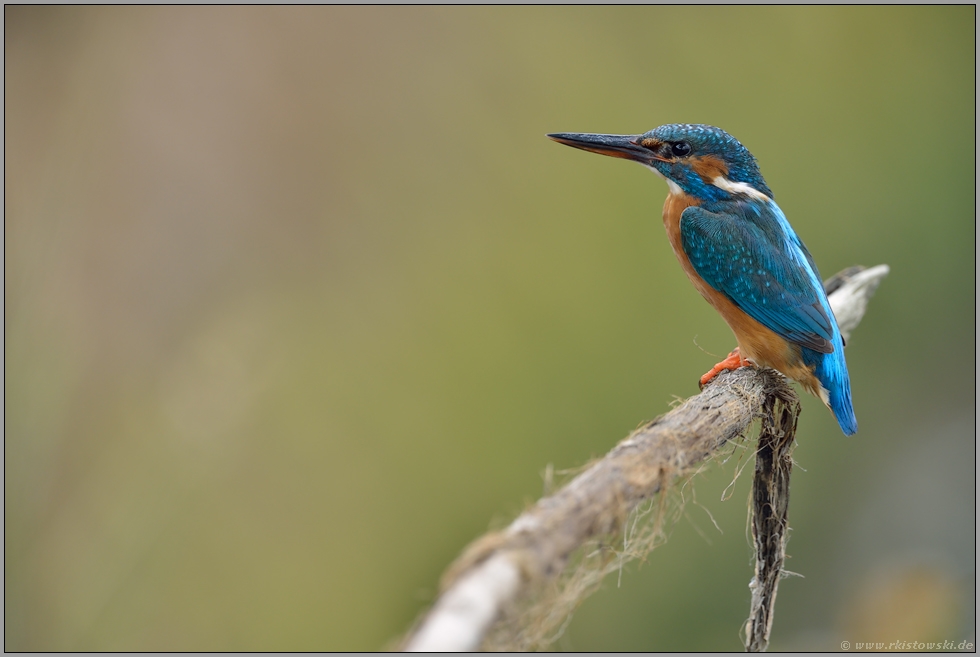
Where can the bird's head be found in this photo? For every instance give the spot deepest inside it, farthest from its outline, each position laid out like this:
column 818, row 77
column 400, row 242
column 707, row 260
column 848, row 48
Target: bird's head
column 701, row 160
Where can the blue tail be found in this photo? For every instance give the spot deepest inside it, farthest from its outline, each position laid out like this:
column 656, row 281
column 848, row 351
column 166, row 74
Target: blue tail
column 831, row 371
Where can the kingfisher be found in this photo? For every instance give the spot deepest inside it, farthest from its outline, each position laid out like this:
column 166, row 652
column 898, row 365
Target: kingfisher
column 738, row 249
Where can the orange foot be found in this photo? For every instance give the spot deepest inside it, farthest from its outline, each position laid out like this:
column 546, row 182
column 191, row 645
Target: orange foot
column 733, row 362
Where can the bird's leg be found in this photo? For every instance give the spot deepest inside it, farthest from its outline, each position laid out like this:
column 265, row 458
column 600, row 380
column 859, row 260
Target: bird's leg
column 733, row 362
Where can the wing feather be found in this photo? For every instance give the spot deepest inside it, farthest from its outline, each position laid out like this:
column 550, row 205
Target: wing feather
column 748, row 251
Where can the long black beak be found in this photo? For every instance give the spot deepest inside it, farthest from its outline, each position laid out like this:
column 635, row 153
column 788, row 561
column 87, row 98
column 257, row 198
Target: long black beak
column 625, row 146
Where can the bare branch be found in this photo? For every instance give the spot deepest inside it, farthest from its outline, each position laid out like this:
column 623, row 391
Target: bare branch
column 770, row 513
column 849, row 292
column 502, row 567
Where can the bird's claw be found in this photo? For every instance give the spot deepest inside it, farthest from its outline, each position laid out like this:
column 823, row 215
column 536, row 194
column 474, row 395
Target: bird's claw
column 733, row 362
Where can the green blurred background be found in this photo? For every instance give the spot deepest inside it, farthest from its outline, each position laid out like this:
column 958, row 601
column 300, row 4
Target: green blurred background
column 300, row 301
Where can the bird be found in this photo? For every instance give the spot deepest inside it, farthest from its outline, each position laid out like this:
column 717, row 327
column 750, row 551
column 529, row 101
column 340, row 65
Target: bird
column 740, row 252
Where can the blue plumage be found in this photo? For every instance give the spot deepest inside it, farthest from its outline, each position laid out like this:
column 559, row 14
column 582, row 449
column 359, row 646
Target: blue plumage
column 831, row 371
column 745, row 248
column 743, row 252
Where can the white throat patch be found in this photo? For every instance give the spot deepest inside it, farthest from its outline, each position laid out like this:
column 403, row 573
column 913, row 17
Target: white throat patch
column 674, row 188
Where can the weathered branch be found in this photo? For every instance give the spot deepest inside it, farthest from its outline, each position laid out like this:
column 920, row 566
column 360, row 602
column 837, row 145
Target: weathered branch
column 770, row 513
column 502, row 567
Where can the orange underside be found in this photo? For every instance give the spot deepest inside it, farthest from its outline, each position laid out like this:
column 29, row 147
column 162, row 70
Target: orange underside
column 756, row 343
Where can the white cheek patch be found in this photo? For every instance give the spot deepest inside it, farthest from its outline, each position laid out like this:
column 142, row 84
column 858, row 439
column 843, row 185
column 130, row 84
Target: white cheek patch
column 721, row 182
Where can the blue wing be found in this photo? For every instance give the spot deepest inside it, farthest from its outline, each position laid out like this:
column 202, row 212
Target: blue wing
column 748, row 251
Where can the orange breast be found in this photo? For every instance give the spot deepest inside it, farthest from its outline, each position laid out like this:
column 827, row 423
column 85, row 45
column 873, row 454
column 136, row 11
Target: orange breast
column 755, row 342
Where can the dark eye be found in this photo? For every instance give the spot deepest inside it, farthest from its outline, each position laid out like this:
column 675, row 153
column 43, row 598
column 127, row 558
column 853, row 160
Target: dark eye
column 681, row 148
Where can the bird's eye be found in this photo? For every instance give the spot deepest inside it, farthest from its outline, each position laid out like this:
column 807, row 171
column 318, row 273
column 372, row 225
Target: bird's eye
column 681, row 148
